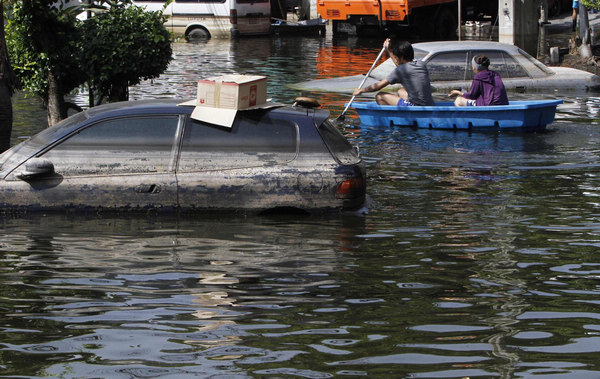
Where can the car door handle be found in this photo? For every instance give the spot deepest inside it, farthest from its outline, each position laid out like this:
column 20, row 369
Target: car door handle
column 147, row 188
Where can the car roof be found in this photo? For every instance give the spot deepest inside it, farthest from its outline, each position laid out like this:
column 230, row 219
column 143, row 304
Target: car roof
column 125, row 107
column 438, row 46
column 167, row 106
column 174, row 106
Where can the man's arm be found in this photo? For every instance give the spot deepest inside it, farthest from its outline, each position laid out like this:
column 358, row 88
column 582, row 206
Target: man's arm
column 372, row 88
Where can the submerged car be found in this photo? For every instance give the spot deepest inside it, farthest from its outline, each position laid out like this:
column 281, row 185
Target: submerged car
column 449, row 65
column 152, row 155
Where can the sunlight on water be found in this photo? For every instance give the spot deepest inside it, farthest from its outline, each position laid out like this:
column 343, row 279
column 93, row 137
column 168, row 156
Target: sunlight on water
column 477, row 258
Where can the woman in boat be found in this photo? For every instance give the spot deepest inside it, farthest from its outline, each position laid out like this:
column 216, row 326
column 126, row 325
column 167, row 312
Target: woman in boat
column 409, row 72
column 486, row 89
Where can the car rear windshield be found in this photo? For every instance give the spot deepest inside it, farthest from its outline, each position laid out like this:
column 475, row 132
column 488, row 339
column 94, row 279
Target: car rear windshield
column 337, row 144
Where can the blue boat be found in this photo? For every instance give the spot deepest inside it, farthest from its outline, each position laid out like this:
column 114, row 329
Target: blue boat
column 518, row 115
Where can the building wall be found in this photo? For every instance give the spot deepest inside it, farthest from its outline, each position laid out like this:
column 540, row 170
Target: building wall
column 518, row 23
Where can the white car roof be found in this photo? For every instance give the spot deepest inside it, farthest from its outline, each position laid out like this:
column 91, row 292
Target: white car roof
column 434, row 47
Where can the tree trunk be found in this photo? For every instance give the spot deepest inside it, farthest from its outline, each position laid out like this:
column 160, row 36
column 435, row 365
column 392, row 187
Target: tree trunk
column 585, row 50
column 7, row 87
column 6, row 115
column 119, row 92
column 56, row 101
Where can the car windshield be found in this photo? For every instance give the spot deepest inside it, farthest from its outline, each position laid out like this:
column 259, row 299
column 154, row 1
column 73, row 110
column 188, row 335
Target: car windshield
column 420, row 54
column 537, row 63
column 17, row 154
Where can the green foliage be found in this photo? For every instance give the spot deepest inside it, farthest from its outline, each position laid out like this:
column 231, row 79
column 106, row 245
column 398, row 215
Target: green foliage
column 123, row 46
column 41, row 38
column 117, row 48
column 595, row 4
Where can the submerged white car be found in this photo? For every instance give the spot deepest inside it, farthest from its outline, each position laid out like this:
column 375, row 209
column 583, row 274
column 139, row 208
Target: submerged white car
column 449, row 65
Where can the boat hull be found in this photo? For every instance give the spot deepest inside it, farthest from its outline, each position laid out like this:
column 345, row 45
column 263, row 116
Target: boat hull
column 518, row 115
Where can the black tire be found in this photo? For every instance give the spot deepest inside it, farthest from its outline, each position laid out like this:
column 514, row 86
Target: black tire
column 368, row 31
column 445, row 26
column 334, row 27
column 554, row 9
column 421, row 25
column 197, row 34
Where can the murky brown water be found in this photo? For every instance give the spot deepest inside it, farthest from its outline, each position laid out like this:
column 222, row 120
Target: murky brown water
column 478, row 258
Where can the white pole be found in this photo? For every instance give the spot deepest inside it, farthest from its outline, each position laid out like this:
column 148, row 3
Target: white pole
column 459, row 20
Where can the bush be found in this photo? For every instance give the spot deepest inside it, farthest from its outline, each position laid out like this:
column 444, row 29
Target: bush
column 121, row 47
column 115, row 49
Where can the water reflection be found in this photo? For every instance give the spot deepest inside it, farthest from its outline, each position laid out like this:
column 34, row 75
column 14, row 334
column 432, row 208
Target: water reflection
column 478, row 256
column 135, row 284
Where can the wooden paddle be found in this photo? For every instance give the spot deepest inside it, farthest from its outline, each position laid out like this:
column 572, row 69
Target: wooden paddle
column 341, row 116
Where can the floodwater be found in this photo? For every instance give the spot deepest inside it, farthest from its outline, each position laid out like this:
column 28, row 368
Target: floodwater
column 479, row 256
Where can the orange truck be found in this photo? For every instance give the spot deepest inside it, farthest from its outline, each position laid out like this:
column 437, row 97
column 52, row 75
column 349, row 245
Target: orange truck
column 428, row 19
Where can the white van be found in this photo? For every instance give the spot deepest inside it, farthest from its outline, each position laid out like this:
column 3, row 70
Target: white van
column 203, row 19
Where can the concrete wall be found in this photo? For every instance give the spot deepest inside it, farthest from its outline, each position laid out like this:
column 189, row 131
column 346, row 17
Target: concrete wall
column 313, row 9
column 518, row 23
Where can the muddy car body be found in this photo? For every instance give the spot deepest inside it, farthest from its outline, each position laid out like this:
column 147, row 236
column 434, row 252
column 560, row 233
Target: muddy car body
column 151, row 155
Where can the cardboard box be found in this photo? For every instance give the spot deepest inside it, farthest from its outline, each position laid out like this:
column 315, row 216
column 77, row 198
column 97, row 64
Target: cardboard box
column 219, row 99
column 232, row 91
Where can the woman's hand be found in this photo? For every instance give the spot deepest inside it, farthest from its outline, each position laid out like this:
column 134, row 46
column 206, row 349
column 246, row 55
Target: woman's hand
column 455, row 92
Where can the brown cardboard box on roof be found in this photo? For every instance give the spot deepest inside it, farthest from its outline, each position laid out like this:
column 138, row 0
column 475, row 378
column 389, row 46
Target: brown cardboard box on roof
column 232, row 91
column 220, row 98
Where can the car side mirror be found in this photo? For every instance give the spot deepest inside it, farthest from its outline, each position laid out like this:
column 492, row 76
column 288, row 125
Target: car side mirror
column 36, row 168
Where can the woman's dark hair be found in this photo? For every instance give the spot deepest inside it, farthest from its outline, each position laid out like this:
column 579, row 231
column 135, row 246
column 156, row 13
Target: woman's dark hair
column 403, row 49
column 481, row 60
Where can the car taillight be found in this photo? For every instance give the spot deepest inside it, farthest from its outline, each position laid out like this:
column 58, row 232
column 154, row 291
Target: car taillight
column 350, row 189
column 233, row 16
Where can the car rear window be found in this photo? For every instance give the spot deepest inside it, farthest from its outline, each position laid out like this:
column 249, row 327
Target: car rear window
column 249, row 143
column 451, row 66
column 501, row 62
column 338, row 145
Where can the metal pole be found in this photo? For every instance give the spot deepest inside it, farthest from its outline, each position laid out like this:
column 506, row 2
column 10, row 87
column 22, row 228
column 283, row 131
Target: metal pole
column 543, row 21
column 583, row 21
column 459, row 20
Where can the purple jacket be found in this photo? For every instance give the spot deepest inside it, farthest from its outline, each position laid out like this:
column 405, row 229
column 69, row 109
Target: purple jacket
column 487, row 89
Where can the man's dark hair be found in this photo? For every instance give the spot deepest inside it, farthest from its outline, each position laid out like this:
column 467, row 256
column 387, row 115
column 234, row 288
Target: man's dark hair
column 402, row 49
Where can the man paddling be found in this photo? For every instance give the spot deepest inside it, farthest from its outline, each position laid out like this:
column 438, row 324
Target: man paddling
column 411, row 73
